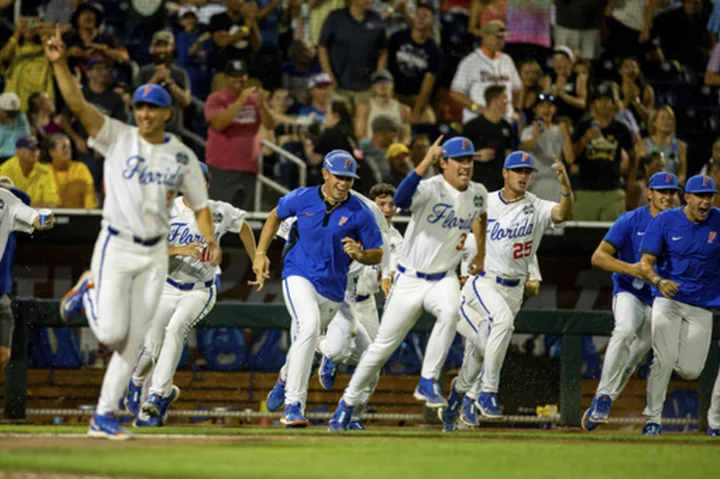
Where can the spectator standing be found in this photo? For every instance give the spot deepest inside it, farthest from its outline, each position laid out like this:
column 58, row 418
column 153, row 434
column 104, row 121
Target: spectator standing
column 236, row 36
column 419, row 146
column 41, row 115
column 28, row 175
column 382, row 103
column 649, row 165
column 577, row 25
column 682, row 34
column 353, row 45
column 546, row 141
column 319, row 11
column 234, row 115
column 13, row 124
column 484, row 67
column 208, row 9
column 530, row 73
column 492, row 137
column 320, row 90
column 568, row 88
column 398, row 160
column 415, row 60
column 267, row 60
column 75, row 186
column 628, row 27
column 598, row 143
column 661, row 139
column 193, row 45
column 165, row 73
column 385, row 132
column 59, row 12
column 714, row 157
column 97, row 92
column 528, row 24
column 636, row 94
column 85, row 40
column 299, row 68
column 26, row 69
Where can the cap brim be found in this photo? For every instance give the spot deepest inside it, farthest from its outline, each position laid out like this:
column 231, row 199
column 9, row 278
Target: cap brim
column 665, row 187
column 701, row 190
column 343, row 174
column 461, row 155
column 518, row 167
column 29, row 146
column 150, row 102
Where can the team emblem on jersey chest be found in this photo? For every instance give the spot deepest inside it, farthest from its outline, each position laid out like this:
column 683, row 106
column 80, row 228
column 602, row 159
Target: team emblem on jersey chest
column 182, row 158
column 529, row 209
column 478, row 200
column 711, row 236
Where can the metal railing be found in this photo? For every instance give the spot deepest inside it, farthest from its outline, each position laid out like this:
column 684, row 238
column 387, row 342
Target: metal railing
column 264, row 180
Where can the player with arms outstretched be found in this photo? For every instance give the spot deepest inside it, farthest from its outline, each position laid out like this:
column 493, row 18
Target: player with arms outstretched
column 445, row 209
column 632, row 298
column 144, row 170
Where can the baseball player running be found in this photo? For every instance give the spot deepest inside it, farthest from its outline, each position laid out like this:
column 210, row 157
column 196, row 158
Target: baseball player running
column 683, row 245
column 144, row 169
column 517, row 220
column 188, row 296
column 331, row 226
column 15, row 215
column 632, row 298
column 445, row 208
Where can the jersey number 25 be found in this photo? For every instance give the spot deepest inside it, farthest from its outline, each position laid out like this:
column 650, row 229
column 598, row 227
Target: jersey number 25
column 522, row 250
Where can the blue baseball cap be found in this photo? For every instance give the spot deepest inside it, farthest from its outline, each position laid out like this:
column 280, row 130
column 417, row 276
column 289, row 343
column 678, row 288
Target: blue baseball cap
column 519, row 159
column 341, row 163
column 458, row 147
column 700, row 184
column 29, row 142
column 153, row 95
column 663, row 181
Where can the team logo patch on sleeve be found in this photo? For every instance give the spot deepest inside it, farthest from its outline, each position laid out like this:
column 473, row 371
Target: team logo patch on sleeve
column 2, row 204
column 478, row 201
column 342, row 221
column 217, row 217
column 182, row 158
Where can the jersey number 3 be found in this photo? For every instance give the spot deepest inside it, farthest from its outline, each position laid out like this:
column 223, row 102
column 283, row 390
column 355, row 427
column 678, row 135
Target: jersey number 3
column 461, row 245
column 522, row 250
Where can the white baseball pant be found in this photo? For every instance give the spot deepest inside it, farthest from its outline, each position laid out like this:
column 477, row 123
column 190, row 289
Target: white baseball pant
column 345, row 339
column 499, row 305
column 367, row 316
column 311, row 313
column 128, row 280
column 630, row 342
column 680, row 341
column 714, row 411
column 179, row 311
column 409, row 296
column 475, row 330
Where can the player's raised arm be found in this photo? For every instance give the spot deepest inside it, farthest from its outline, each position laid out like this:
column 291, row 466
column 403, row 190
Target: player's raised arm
column 261, row 263
column 564, row 210
column 479, row 229
column 408, row 186
column 89, row 116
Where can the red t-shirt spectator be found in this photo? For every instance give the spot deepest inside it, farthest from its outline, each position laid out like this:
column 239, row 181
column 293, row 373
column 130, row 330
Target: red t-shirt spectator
column 237, row 147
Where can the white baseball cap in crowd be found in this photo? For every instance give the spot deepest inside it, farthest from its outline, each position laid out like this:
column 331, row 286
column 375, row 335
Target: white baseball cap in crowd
column 188, row 9
column 567, row 51
column 9, row 101
column 321, row 79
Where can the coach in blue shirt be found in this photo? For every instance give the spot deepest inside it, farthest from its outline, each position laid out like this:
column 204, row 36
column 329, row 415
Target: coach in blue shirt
column 333, row 229
column 7, row 322
column 685, row 245
column 632, row 296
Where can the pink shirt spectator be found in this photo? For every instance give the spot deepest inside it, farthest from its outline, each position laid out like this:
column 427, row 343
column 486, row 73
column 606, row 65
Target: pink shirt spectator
column 495, row 11
column 528, row 21
column 237, row 147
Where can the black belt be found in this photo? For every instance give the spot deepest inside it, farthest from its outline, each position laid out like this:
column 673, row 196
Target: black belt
column 360, row 299
column 136, row 239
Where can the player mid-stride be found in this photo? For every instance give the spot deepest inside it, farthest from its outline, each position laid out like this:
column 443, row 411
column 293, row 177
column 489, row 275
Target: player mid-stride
column 189, row 295
column 332, row 224
column 683, row 245
column 632, row 298
column 144, row 170
column 517, row 221
column 444, row 210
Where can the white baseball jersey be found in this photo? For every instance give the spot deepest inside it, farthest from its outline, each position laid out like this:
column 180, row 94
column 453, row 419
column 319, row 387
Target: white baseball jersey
column 369, row 279
column 441, row 221
column 184, row 230
column 477, row 71
column 141, row 180
column 14, row 216
column 470, row 250
column 514, row 232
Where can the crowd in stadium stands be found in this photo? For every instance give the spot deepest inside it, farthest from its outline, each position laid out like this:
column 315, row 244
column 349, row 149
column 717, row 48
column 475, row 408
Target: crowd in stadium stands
column 618, row 89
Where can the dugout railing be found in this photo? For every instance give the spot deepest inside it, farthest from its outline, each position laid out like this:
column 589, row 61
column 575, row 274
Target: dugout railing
column 570, row 324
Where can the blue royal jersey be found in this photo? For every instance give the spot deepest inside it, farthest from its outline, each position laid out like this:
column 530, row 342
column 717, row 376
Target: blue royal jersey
column 688, row 253
column 318, row 254
column 625, row 236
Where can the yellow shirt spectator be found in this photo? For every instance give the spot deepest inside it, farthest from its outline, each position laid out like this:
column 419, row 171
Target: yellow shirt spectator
column 75, row 184
column 30, row 176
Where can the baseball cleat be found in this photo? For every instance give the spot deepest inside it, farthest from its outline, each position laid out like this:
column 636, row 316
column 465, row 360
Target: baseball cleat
column 328, row 371
column 132, row 398
column 276, row 397
column 71, row 304
column 144, row 420
column 468, row 412
column 651, row 429
column 449, row 415
column 157, row 406
column 602, row 409
column 356, row 426
column 294, row 417
column 340, row 420
column 105, row 426
column 587, row 422
column 713, row 432
column 487, row 403
column 428, row 391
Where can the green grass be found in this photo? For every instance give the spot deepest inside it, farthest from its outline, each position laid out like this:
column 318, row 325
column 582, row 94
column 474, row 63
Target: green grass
column 397, row 454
